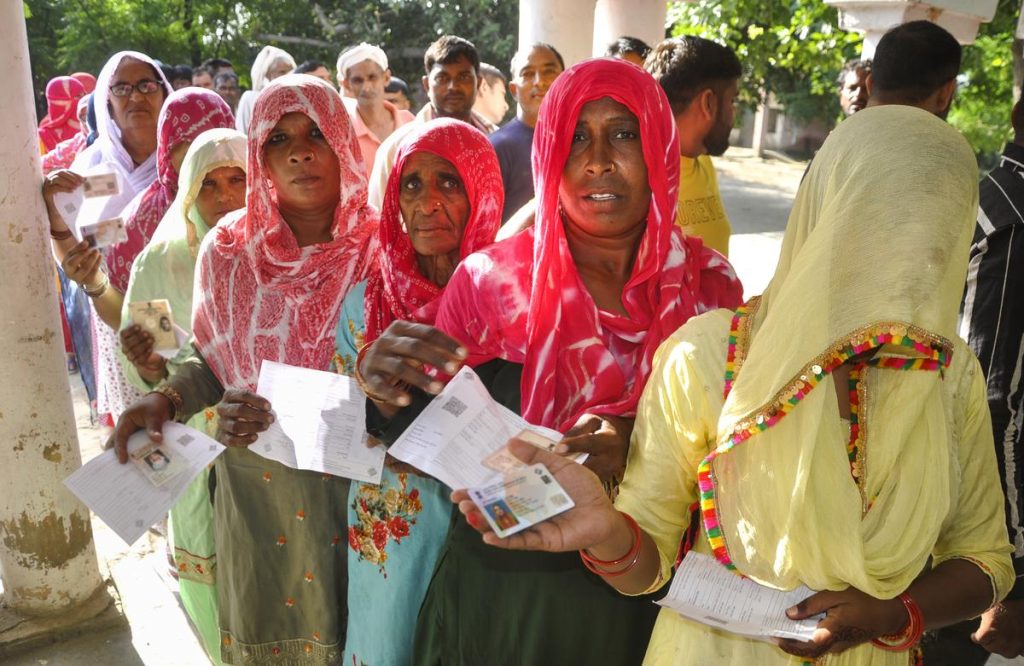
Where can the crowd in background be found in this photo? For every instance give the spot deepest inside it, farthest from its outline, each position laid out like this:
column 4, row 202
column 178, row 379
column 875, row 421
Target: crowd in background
column 835, row 431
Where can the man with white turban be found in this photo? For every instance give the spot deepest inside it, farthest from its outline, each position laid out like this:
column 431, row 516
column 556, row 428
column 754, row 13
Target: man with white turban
column 363, row 74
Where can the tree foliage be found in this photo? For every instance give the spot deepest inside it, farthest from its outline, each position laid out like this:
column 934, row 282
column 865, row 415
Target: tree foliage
column 984, row 99
column 73, row 35
column 793, row 49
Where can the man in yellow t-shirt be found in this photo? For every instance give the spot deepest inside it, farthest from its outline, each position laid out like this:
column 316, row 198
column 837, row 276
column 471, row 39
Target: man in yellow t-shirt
column 701, row 80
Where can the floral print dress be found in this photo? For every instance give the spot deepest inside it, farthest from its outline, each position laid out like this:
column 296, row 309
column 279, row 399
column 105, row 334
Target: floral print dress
column 395, row 534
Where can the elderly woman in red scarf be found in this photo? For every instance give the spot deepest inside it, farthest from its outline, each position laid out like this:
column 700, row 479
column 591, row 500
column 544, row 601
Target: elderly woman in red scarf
column 561, row 322
column 270, row 284
column 443, row 202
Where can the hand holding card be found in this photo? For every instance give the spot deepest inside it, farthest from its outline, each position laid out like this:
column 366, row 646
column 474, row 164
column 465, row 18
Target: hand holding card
column 154, row 317
column 581, row 523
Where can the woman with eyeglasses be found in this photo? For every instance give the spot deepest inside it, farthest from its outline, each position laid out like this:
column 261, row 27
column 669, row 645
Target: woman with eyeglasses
column 130, row 91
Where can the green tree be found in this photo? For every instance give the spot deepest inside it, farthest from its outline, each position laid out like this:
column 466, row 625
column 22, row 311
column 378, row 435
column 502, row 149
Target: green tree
column 984, row 99
column 793, row 49
column 71, row 35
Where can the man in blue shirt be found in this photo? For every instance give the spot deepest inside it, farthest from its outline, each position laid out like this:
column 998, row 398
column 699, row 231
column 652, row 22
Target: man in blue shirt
column 534, row 69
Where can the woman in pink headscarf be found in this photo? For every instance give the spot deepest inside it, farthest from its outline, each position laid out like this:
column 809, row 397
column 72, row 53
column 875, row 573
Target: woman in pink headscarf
column 61, row 122
column 561, row 322
column 269, row 287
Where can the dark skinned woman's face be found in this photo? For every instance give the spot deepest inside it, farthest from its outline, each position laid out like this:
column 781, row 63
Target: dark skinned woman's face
column 434, row 204
column 604, row 190
column 303, row 168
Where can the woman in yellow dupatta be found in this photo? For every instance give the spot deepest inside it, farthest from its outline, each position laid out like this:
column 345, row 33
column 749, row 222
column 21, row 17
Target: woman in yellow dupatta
column 848, row 491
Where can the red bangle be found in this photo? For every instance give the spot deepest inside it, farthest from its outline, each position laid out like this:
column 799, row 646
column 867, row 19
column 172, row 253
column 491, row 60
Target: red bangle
column 910, row 635
column 599, row 567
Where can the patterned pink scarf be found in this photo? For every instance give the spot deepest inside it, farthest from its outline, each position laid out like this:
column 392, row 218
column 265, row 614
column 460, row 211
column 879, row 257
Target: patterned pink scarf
column 398, row 290
column 186, row 114
column 259, row 295
column 61, row 122
column 523, row 300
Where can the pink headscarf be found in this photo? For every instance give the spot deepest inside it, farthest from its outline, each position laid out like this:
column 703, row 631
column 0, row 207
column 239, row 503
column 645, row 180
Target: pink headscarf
column 258, row 294
column 87, row 80
column 61, row 122
column 186, row 114
column 398, row 290
column 523, row 300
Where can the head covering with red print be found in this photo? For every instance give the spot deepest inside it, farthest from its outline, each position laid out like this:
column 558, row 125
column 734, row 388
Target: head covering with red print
column 259, row 296
column 61, row 122
column 86, row 79
column 523, row 300
column 186, row 114
column 397, row 289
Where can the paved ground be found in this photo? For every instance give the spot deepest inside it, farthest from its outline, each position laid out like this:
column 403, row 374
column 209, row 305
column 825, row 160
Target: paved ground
column 757, row 195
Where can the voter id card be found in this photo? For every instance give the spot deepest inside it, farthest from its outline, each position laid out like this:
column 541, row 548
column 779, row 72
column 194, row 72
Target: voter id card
column 520, row 499
column 100, row 185
column 157, row 463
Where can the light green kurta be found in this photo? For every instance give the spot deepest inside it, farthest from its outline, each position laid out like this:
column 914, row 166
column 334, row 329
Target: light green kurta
column 165, row 270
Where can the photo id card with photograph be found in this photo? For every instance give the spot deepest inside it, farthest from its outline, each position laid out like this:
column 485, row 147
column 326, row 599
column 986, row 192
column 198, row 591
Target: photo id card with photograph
column 104, row 233
column 154, row 317
column 100, row 185
column 157, row 463
column 522, row 498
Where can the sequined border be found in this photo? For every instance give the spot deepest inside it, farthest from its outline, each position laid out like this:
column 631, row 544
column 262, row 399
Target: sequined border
column 295, row 651
column 937, row 353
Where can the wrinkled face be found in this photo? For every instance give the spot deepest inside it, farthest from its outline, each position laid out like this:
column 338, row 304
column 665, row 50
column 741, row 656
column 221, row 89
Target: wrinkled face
column 202, row 80
column 229, row 91
column 366, row 81
column 452, row 88
column 604, row 190
column 854, row 94
column 177, row 155
column 399, row 99
column 278, row 68
column 716, row 142
column 136, row 111
column 533, row 78
column 434, row 203
column 303, row 168
column 222, row 191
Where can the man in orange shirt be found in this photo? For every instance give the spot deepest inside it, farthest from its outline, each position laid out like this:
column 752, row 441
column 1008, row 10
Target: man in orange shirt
column 363, row 74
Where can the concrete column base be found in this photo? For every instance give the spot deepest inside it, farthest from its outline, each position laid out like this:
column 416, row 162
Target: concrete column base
column 19, row 633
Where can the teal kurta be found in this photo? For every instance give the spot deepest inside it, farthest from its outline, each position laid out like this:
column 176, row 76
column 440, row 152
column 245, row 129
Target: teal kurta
column 395, row 533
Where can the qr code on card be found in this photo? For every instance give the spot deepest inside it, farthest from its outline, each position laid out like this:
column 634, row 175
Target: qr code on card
column 454, row 406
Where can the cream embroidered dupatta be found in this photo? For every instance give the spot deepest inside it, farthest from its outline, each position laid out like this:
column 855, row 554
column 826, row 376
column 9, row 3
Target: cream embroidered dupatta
column 778, row 499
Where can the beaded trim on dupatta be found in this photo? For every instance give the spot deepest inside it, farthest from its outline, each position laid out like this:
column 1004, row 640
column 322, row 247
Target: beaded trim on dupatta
column 936, row 355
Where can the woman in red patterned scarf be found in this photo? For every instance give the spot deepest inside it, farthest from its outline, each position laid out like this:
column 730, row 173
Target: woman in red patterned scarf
column 561, row 321
column 61, row 121
column 270, row 283
column 185, row 115
column 442, row 203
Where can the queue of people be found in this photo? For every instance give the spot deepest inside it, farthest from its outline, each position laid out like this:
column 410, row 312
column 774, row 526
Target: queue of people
column 833, row 432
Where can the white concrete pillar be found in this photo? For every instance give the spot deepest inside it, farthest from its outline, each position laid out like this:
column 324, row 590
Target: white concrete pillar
column 873, row 18
column 643, row 19
column 568, row 25
column 47, row 557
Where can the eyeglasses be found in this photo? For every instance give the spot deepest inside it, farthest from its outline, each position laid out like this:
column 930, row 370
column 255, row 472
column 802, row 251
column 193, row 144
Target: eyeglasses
column 145, row 87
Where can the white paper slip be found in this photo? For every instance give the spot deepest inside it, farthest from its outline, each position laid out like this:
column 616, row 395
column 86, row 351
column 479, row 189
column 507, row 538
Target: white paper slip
column 705, row 591
column 523, row 497
column 129, row 500
column 320, row 423
column 459, row 437
column 90, row 202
